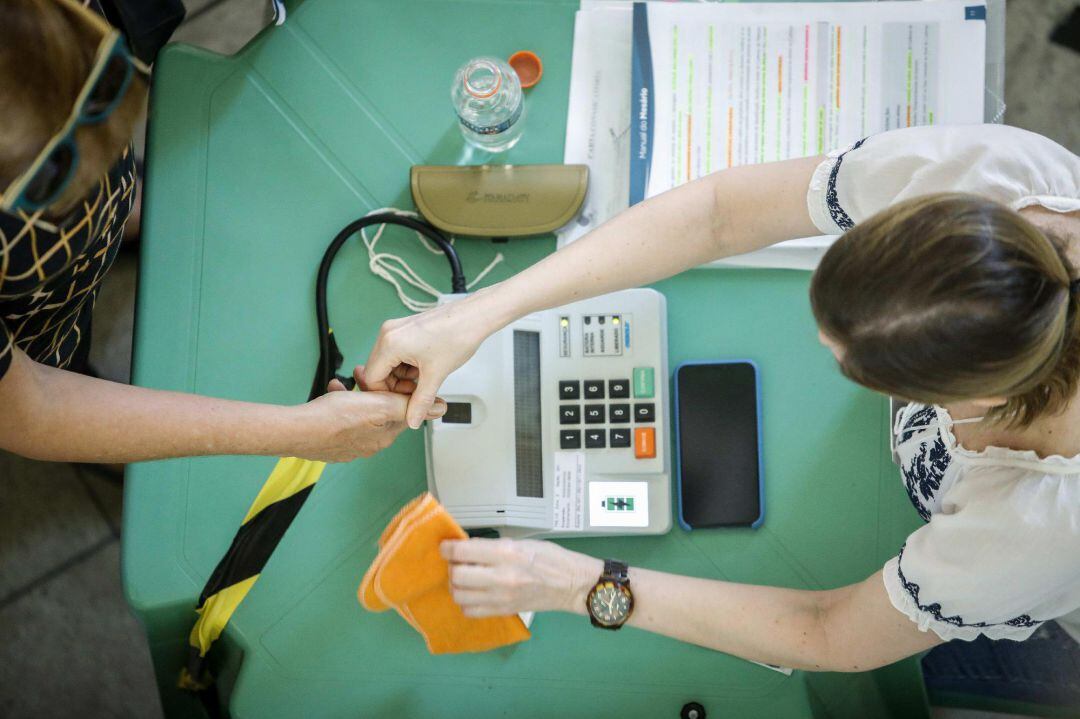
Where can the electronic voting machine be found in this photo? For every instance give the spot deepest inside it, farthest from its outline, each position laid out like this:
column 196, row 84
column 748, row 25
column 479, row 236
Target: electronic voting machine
column 558, row 425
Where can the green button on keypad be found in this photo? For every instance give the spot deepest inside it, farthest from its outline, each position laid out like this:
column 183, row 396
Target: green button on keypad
column 643, row 382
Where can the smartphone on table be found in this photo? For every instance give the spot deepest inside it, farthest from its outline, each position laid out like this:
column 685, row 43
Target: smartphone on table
column 720, row 477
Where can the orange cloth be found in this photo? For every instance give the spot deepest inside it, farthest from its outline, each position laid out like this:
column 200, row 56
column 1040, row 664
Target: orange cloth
column 411, row 576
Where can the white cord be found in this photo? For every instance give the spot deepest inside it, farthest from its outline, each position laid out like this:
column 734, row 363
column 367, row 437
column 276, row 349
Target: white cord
column 397, row 272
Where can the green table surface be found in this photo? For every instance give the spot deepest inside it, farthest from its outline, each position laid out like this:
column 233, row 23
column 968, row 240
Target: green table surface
column 255, row 162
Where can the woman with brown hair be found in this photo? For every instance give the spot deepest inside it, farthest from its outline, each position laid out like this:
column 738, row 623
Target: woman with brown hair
column 70, row 94
column 966, row 305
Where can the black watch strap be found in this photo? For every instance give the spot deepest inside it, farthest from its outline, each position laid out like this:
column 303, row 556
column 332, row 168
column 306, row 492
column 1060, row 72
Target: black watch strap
column 619, row 571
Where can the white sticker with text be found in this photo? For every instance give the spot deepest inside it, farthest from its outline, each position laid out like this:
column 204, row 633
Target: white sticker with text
column 568, row 500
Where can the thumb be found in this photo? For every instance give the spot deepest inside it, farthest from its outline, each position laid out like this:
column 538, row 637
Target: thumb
column 379, row 363
column 438, row 409
column 335, row 386
column 422, row 399
column 394, row 405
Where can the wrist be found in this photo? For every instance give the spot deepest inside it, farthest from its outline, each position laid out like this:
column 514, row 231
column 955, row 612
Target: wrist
column 290, row 431
column 498, row 306
column 586, row 573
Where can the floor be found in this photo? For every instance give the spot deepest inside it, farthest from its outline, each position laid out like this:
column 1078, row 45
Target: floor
column 72, row 648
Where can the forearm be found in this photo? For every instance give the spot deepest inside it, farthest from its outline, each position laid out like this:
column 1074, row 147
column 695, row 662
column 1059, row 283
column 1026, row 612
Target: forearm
column 723, row 214
column 852, row 628
column 61, row 416
column 848, row 629
column 651, row 240
column 773, row 625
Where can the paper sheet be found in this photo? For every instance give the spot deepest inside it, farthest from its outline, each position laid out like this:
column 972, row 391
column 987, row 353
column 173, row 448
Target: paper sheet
column 598, row 125
column 738, row 83
column 718, row 86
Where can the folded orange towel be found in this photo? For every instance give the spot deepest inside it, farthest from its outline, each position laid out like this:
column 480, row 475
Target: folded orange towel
column 411, row 576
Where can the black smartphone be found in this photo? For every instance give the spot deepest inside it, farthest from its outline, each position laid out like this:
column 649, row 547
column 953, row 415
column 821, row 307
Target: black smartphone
column 720, row 477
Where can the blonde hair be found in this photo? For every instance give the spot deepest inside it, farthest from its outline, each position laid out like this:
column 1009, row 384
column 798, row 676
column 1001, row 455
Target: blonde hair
column 950, row 297
column 46, row 54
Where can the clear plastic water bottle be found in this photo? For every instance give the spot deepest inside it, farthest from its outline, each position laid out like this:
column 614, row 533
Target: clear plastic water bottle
column 488, row 100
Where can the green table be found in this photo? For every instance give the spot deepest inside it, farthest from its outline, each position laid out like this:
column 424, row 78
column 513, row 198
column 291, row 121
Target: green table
column 255, row 162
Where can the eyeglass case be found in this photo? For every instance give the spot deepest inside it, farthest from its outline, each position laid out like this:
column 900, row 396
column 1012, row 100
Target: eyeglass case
column 499, row 200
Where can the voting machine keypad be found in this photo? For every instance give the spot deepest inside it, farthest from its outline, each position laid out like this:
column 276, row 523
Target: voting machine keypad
column 606, row 413
column 554, row 415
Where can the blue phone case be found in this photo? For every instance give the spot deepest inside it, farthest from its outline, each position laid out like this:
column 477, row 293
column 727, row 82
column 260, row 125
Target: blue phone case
column 678, row 455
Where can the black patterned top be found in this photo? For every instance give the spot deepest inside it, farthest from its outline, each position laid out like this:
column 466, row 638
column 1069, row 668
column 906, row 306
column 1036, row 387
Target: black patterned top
column 50, row 271
column 49, row 275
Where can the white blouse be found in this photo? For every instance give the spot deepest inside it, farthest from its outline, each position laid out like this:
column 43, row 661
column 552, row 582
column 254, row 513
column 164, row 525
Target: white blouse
column 1012, row 166
column 1000, row 551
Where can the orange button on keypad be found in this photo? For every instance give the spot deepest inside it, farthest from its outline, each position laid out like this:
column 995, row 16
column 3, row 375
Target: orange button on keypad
column 644, row 442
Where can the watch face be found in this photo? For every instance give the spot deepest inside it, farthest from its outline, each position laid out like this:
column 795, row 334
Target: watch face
column 609, row 604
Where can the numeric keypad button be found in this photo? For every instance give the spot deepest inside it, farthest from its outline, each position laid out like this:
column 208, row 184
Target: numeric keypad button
column 645, row 412
column 569, row 414
column 594, row 389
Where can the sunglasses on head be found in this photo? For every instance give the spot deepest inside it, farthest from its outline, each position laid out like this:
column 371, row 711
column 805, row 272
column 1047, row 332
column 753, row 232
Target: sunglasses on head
column 51, row 171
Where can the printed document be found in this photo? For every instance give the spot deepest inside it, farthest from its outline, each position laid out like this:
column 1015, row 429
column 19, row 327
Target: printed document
column 716, row 85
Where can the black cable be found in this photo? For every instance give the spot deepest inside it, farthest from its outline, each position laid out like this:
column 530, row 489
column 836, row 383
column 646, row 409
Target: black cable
column 330, row 357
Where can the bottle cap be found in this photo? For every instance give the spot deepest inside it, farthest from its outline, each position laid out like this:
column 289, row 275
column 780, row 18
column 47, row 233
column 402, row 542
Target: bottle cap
column 528, row 67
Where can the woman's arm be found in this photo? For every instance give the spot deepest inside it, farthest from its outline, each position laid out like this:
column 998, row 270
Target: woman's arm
column 854, row 628
column 727, row 213
column 51, row 414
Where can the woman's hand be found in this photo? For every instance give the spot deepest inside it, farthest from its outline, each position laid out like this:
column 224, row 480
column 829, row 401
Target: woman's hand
column 432, row 344
column 343, row 425
column 401, row 380
column 500, row 577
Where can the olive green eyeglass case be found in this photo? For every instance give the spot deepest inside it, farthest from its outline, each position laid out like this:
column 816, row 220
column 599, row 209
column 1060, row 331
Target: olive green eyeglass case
column 499, row 200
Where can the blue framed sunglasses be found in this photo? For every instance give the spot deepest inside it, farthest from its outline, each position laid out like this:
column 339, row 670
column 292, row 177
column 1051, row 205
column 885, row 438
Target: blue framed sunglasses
column 51, row 171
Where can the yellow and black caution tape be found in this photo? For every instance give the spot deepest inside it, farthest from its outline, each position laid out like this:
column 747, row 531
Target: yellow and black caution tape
column 274, row 508
column 288, row 486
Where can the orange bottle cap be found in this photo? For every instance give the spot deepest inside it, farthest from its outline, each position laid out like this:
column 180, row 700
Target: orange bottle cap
column 528, row 67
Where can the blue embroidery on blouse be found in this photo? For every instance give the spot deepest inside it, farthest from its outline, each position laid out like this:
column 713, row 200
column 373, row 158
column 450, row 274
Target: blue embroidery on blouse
column 917, row 422
column 922, row 475
column 1024, row 620
column 840, row 217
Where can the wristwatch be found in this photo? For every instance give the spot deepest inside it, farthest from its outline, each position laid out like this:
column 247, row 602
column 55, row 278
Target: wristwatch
column 610, row 602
